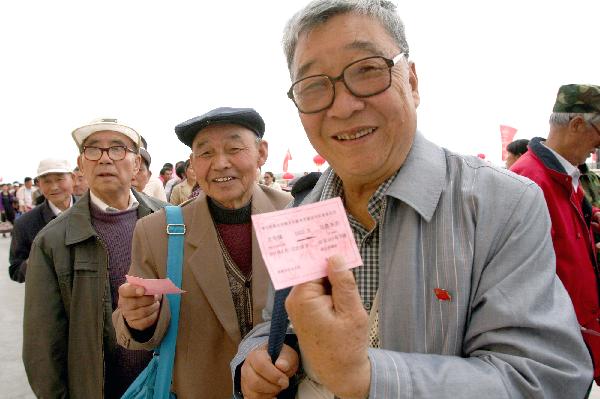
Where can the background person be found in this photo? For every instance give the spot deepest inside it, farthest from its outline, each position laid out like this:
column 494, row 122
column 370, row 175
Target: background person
column 6, row 204
column 24, row 195
column 552, row 164
column 141, row 178
column 56, row 184
column 269, row 181
column 80, row 185
column 175, row 179
column 182, row 191
column 514, row 150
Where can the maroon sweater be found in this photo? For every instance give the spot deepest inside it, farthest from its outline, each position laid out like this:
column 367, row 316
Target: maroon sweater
column 115, row 230
column 235, row 228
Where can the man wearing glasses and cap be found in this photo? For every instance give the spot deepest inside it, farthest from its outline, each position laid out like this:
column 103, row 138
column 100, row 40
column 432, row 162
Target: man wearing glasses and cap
column 75, row 268
column 553, row 164
column 56, row 184
column 457, row 295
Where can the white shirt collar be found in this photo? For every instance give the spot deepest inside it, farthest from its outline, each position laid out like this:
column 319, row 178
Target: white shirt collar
column 569, row 168
column 133, row 203
column 56, row 210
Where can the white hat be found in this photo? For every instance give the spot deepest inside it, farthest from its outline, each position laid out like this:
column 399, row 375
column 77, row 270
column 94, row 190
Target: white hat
column 51, row 165
column 99, row 125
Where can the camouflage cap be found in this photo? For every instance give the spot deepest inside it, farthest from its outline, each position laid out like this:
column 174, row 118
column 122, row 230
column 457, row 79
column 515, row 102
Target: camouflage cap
column 577, row 99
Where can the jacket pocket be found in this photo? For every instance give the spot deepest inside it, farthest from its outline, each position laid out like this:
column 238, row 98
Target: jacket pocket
column 84, row 266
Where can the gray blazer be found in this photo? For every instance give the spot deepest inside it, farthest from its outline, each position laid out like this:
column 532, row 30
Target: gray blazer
column 483, row 234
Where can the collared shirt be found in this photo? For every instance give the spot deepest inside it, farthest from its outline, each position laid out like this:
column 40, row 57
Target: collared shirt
column 56, row 210
column 569, row 168
column 133, row 203
column 367, row 275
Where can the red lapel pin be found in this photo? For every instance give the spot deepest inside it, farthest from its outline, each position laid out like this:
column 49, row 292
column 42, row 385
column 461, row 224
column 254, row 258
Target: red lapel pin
column 442, row 294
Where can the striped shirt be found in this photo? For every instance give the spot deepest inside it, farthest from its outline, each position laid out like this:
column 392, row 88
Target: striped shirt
column 367, row 275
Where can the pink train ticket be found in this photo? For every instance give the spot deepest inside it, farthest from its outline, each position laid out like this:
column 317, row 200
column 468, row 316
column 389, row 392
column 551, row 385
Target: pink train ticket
column 295, row 243
column 154, row 286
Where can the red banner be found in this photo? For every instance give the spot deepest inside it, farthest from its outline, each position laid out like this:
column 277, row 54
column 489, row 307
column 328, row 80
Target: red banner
column 288, row 157
column 507, row 134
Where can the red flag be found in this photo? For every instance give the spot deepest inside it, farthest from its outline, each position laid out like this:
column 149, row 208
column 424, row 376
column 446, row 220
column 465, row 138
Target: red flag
column 288, row 156
column 507, row 134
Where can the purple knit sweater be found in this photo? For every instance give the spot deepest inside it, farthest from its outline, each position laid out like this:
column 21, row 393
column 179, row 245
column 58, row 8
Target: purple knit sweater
column 116, row 233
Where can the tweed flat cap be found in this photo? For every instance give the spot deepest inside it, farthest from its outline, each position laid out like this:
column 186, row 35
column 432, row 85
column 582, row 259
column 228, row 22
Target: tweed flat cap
column 578, row 98
column 246, row 117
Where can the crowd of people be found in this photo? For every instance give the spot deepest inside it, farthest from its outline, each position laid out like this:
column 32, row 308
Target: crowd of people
column 477, row 281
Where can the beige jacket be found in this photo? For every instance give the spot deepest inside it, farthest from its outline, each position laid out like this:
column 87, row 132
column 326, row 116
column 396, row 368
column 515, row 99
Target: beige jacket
column 208, row 334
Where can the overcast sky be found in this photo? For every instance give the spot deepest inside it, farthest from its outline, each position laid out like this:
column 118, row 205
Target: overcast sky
column 155, row 64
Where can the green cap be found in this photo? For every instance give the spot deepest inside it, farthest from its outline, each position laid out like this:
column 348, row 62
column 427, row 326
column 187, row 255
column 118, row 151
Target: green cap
column 578, row 99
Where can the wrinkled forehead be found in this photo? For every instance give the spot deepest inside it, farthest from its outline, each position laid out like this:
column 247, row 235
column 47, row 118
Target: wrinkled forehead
column 107, row 138
column 222, row 134
column 341, row 39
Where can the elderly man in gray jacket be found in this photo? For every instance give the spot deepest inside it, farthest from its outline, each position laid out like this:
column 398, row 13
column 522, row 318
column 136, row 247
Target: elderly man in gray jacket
column 457, row 296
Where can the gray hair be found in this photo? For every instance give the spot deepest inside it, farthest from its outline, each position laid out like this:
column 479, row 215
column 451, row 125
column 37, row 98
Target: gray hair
column 563, row 118
column 319, row 11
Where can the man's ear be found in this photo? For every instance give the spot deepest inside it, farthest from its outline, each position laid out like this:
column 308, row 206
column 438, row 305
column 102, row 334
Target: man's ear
column 413, row 80
column 137, row 163
column 577, row 124
column 263, row 152
column 80, row 163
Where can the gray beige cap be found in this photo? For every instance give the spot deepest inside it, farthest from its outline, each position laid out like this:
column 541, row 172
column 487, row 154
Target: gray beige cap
column 52, row 165
column 102, row 124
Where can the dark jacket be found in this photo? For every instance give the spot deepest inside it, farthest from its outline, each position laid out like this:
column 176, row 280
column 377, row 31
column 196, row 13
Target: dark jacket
column 6, row 206
column 571, row 236
column 24, row 231
column 67, row 324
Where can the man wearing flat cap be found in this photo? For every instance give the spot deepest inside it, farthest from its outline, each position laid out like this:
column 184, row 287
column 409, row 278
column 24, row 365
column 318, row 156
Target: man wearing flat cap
column 224, row 275
column 56, row 184
column 553, row 164
column 76, row 265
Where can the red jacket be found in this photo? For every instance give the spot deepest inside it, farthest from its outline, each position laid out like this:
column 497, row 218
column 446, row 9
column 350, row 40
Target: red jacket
column 572, row 237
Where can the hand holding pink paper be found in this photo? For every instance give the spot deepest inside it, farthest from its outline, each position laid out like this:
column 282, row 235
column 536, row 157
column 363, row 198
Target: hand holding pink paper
column 296, row 242
column 155, row 286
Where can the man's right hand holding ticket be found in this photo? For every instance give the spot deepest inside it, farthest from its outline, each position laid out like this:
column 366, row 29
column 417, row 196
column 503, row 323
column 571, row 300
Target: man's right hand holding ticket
column 332, row 329
column 140, row 311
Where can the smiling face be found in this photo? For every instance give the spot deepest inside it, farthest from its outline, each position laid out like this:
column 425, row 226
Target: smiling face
column 225, row 159
column 365, row 140
column 109, row 180
column 57, row 188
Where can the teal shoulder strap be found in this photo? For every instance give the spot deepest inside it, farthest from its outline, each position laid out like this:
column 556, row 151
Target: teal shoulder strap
column 176, row 232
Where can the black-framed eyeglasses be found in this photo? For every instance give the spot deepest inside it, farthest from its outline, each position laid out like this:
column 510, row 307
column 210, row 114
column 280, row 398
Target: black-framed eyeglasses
column 115, row 152
column 363, row 78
